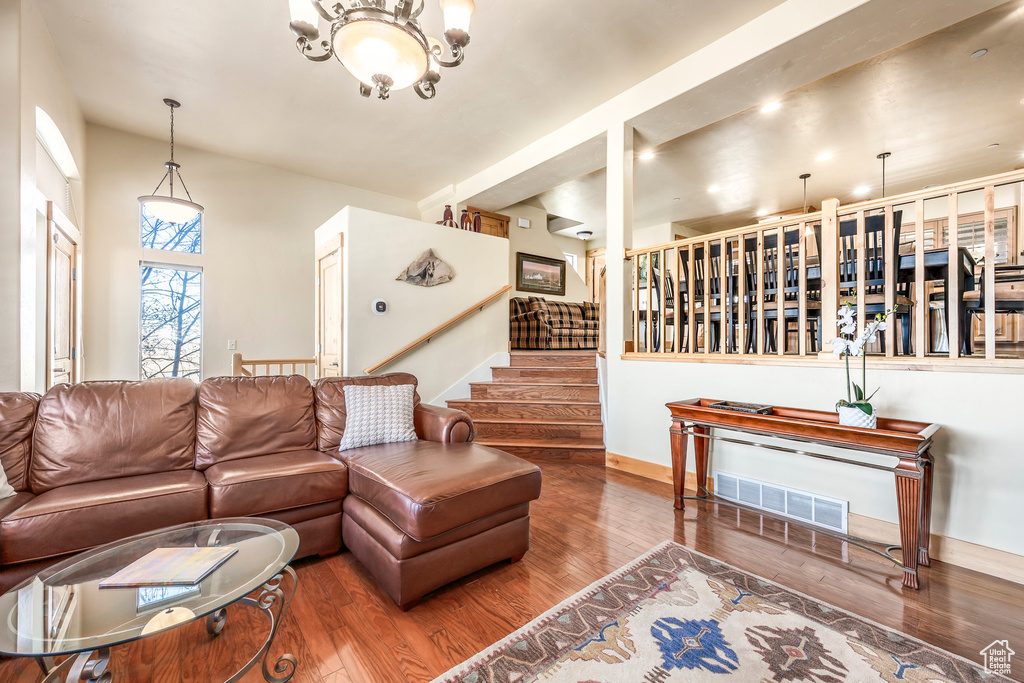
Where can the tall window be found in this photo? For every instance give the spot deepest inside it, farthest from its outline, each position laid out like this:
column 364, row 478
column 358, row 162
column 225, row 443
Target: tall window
column 186, row 237
column 170, row 321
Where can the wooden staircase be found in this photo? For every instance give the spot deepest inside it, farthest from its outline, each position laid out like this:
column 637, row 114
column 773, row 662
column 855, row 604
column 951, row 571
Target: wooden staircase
column 545, row 407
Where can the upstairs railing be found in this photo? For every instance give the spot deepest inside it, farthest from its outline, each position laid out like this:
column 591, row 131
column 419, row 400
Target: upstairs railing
column 774, row 289
column 479, row 306
column 242, row 367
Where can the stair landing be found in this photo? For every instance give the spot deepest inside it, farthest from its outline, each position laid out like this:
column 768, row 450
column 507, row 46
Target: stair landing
column 544, row 407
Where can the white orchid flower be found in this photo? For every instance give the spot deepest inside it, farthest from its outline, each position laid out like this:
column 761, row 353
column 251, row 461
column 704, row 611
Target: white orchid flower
column 855, row 347
column 839, row 346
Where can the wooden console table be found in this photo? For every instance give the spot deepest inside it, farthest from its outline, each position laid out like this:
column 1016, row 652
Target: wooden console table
column 907, row 441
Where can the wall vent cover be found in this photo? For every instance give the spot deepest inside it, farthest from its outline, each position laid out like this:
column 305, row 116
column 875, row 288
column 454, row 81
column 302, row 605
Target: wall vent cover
column 781, row 500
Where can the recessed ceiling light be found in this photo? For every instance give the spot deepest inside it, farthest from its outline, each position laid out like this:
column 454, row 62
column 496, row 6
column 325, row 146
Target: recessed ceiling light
column 647, row 156
column 762, row 212
column 825, row 156
column 861, row 190
column 979, row 53
column 993, row 145
column 770, row 107
column 713, row 189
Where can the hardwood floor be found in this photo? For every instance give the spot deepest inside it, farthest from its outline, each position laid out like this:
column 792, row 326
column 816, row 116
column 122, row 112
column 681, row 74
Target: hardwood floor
column 588, row 522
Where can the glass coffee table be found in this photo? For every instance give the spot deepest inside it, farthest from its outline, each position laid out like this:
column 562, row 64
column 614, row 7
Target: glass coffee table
column 63, row 611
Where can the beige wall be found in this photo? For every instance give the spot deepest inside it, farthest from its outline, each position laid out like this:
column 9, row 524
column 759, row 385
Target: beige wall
column 538, row 241
column 377, row 248
column 979, row 468
column 573, row 245
column 31, row 75
column 258, row 260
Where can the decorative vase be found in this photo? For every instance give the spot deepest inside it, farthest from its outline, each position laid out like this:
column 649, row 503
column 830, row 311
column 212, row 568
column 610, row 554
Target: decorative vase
column 448, row 220
column 477, row 222
column 465, row 222
column 850, row 416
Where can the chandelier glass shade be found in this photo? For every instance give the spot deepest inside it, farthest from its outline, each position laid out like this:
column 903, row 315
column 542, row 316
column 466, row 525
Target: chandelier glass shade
column 384, row 49
column 168, row 208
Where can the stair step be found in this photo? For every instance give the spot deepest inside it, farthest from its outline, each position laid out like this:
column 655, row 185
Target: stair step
column 539, row 410
column 541, row 375
column 525, row 429
column 564, row 392
column 554, row 359
column 549, row 450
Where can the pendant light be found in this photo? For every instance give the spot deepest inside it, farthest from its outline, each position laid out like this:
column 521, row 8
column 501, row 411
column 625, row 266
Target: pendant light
column 883, row 156
column 168, row 208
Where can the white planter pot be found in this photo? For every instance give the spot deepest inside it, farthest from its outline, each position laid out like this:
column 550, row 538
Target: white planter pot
column 850, row 416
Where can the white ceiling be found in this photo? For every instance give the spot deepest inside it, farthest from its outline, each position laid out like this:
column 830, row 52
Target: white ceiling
column 929, row 103
column 533, row 65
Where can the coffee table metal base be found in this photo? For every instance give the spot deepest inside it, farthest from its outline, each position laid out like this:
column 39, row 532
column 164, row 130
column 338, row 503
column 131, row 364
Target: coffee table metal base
column 91, row 666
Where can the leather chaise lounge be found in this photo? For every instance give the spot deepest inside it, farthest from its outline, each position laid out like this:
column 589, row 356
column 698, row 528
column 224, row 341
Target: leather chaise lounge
column 97, row 461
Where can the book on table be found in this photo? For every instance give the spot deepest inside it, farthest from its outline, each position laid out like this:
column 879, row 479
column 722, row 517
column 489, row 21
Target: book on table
column 170, row 567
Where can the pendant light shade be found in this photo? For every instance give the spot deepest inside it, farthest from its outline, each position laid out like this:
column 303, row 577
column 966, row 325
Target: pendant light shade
column 375, row 51
column 168, row 208
column 457, row 14
column 305, row 19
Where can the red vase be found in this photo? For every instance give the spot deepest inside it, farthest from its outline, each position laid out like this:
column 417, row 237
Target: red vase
column 448, row 219
column 477, row 222
column 465, row 222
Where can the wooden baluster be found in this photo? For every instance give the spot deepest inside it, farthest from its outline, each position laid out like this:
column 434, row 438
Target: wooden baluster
column 953, row 277
column 780, row 289
column 663, row 292
column 829, row 259
column 707, row 296
column 677, row 318
column 990, row 274
column 636, row 303
column 860, row 260
column 920, row 296
column 760, row 332
column 649, row 303
column 802, row 288
column 741, row 296
column 890, row 265
column 691, row 317
column 724, row 300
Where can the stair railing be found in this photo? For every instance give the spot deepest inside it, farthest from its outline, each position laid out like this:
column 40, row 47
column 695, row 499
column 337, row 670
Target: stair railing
column 479, row 306
column 247, row 367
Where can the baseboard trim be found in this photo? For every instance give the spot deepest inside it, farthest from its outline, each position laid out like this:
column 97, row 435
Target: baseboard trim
column 979, row 558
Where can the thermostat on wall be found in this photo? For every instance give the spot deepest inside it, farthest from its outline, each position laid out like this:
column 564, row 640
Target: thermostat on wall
column 524, row 223
column 380, row 307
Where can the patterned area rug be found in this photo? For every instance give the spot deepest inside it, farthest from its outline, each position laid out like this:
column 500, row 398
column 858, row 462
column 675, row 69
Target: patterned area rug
column 675, row 615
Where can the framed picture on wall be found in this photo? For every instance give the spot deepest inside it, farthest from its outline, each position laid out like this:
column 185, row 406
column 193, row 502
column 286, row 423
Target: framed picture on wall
column 540, row 274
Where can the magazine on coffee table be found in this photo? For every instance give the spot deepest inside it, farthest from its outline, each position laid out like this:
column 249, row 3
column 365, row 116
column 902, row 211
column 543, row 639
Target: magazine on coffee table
column 170, row 567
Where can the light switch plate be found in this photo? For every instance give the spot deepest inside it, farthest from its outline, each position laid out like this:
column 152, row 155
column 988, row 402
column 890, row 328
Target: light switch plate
column 232, row 345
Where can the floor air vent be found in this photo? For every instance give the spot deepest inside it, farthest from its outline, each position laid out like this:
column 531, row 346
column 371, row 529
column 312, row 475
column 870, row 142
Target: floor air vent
column 801, row 505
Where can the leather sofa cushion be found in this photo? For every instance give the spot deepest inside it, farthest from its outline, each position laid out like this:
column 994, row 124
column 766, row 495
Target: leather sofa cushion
column 9, row 505
column 402, row 546
column 330, row 404
column 73, row 518
column 17, row 417
column 241, row 417
column 427, row 488
column 93, row 431
column 270, row 483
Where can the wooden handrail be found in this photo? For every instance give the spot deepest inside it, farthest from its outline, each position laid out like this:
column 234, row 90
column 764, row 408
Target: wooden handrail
column 436, row 331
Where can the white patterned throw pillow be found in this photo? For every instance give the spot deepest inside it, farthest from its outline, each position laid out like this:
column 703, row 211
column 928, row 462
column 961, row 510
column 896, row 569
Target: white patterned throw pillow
column 378, row 414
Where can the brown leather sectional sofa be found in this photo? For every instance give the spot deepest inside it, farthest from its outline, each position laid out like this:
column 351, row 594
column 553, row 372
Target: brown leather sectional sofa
column 98, row 461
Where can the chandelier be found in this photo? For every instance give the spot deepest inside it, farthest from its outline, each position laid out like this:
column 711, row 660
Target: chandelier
column 168, row 208
column 385, row 49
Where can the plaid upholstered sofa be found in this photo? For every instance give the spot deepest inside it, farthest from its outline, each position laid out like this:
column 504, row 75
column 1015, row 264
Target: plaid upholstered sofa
column 539, row 324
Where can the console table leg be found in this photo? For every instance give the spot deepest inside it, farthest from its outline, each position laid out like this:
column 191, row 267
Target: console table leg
column 923, row 558
column 678, row 462
column 908, row 499
column 700, row 453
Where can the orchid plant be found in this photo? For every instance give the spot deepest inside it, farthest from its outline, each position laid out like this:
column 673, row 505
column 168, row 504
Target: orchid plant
column 849, row 343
